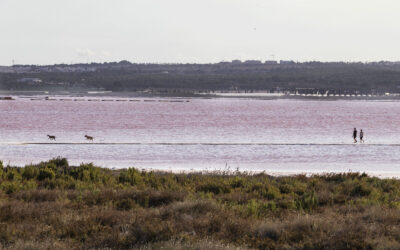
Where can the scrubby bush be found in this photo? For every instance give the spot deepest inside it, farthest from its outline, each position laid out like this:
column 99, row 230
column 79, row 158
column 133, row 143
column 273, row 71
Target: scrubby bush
column 237, row 182
column 60, row 162
column 307, row 201
column 12, row 174
column 131, row 176
column 216, row 188
column 30, row 172
column 86, row 172
column 272, row 192
column 361, row 189
column 46, row 173
column 87, row 207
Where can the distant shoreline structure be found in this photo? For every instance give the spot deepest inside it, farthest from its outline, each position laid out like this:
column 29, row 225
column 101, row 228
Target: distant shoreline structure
column 236, row 78
column 108, row 96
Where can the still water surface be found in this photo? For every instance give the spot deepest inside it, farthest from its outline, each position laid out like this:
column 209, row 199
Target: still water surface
column 276, row 136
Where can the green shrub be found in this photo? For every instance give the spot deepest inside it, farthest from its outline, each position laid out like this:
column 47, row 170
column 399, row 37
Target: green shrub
column 30, row 172
column 287, row 203
column 131, row 176
column 215, row 188
column 46, row 173
column 299, row 187
column 86, row 172
column 59, row 162
column 257, row 187
column 50, row 183
column 10, row 187
column 285, row 188
column 252, row 208
column 237, row 182
column 29, row 185
column 272, row 193
column 270, row 206
column 12, row 174
column 361, row 189
column 152, row 198
column 307, row 201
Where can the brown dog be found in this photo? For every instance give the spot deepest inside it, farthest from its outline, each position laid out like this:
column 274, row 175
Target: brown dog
column 52, row 137
column 90, row 138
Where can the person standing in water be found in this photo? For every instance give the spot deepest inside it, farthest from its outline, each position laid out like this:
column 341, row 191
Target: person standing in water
column 361, row 136
column 355, row 135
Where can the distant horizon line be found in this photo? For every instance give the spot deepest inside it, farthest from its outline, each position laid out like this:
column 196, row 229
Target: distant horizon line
column 238, row 61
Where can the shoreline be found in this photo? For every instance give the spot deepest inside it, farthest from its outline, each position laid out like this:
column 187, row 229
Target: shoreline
column 202, row 143
column 40, row 95
column 227, row 171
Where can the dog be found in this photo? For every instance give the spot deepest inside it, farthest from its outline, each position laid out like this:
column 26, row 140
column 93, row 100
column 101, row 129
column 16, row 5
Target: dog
column 90, row 138
column 52, row 137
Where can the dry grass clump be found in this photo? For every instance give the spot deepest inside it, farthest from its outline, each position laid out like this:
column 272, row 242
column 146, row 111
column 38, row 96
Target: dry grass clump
column 53, row 205
column 42, row 244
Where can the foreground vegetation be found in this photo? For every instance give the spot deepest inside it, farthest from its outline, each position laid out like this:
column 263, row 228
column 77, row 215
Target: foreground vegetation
column 56, row 206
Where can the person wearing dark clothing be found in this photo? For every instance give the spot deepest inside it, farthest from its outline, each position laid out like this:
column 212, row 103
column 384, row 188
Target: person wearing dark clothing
column 355, row 135
column 361, row 136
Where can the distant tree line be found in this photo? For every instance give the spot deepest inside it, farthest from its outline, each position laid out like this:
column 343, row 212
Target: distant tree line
column 124, row 76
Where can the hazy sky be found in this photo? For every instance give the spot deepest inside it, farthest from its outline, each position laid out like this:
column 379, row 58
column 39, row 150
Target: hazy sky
column 56, row 31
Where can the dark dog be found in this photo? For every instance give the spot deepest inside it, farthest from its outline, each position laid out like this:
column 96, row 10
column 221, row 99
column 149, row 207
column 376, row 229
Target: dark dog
column 52, row 137
column 90, row 138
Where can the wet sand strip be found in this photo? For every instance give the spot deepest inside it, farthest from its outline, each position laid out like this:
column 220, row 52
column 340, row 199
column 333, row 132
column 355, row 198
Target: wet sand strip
column 195, row 143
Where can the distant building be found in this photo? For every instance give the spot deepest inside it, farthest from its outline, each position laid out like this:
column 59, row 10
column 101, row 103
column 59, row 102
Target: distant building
column 286, row 62
column 271, row 62
column 236, row 62
column 253, row 62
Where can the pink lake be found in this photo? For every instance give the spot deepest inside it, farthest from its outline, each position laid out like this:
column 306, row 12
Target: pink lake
column 276, row 136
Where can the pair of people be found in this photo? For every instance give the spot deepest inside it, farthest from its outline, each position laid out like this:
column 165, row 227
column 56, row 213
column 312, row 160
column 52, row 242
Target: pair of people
column 355, row 136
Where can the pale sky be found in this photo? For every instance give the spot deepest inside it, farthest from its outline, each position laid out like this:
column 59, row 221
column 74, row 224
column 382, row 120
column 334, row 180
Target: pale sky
column 201, row 31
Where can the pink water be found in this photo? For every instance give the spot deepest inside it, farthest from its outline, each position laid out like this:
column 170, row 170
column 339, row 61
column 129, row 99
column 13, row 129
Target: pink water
column 249, row 134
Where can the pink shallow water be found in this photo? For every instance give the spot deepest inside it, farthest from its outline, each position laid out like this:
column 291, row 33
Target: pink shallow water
column 270, row 135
